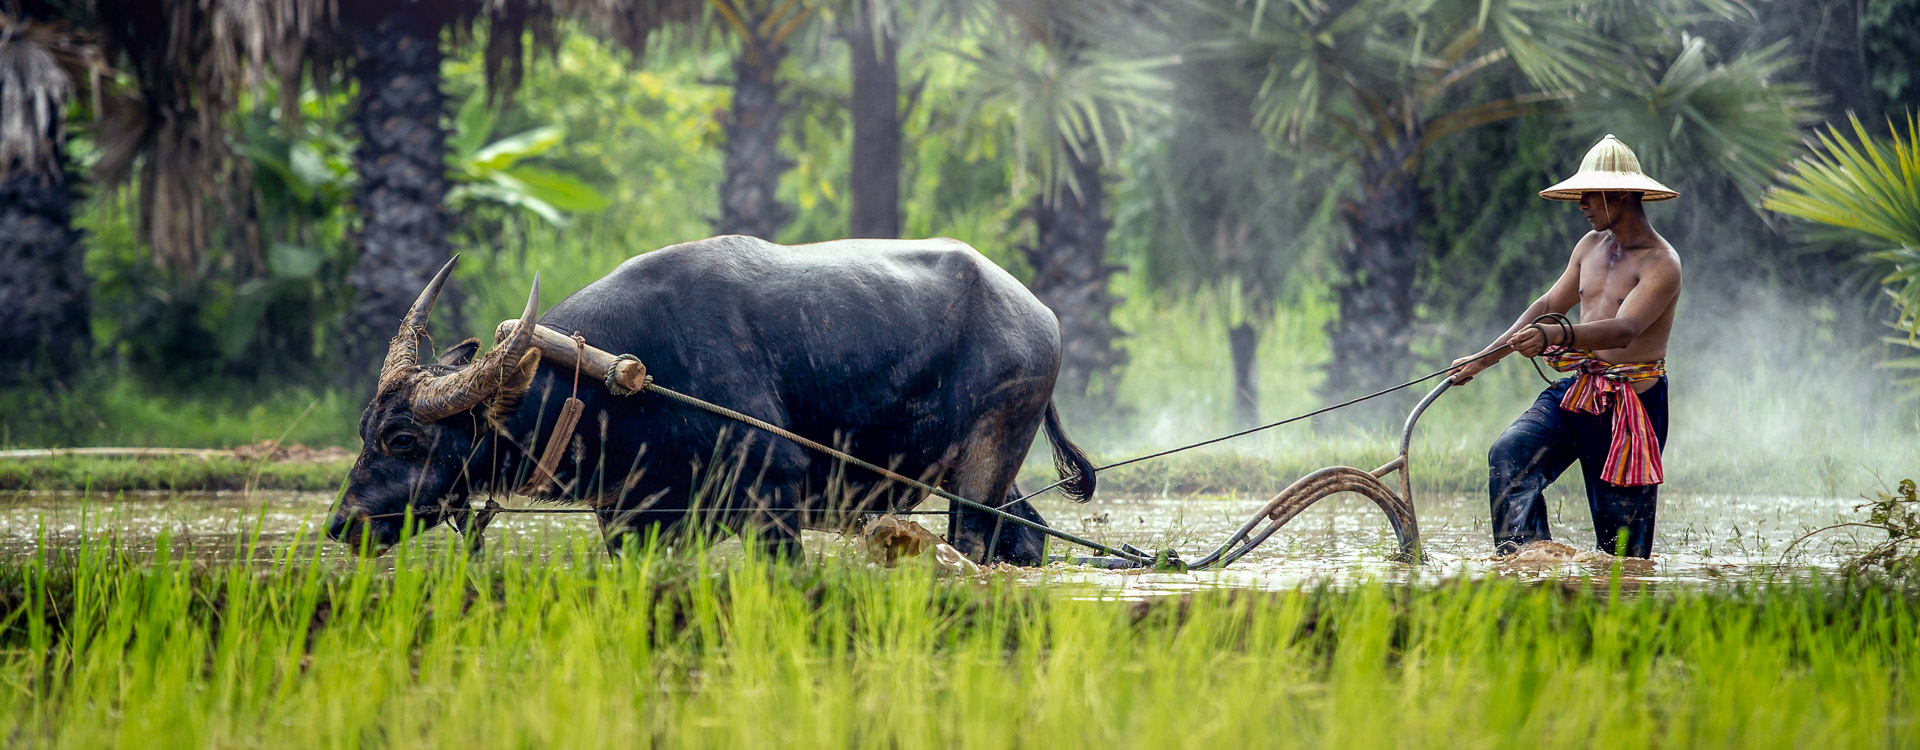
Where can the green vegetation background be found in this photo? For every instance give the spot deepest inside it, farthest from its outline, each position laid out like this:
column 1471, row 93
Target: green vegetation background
column 1775, row 388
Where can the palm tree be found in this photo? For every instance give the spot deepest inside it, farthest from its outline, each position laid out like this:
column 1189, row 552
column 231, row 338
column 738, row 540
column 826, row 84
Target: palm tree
column 190, row 60
column 749, row 194
column 1731, row 122
column 393, row 52
column 1231, row 217
column 1072, row 74
column 1377, row 83
column 402, row 188
column 1720, row 127
column 163, row 77
column 43, row 289
column 1374, row 83
column 1230, row 220
column 873, row 189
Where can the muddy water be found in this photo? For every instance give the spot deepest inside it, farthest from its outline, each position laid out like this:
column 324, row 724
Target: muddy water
column 1703, row 539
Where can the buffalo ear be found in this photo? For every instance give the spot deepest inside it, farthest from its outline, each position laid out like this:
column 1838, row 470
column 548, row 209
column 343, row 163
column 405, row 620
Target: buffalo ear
column 518, row 380
column 461, row 354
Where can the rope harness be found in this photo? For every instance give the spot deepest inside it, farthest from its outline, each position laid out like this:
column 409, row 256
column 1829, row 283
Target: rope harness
column 626, row 375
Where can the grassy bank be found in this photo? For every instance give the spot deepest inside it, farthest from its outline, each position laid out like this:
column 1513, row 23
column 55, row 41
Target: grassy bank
column 1453, row 464
column 174, row 474
column 101, row 650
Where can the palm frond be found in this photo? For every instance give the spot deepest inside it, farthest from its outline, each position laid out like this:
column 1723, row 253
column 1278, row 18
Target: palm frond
column 1862, row 183
column 1370, row 74
column 40, row 67
column 1737, row 119
column 1073, row 81
column 1085, row 104
column 189, row 63
column 1551, row 44
column 1870, row 186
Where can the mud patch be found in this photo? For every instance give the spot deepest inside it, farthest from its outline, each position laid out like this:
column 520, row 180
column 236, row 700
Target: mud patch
column 890, row 539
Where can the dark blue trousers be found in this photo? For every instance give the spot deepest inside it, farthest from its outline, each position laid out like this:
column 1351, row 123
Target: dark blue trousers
column 1540, row 445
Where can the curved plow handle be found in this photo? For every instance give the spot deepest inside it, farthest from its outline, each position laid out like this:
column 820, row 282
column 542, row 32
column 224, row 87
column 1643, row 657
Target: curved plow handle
column 1328, row 482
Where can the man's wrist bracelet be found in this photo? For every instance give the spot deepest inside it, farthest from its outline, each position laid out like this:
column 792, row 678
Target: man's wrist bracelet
column 1566, row 329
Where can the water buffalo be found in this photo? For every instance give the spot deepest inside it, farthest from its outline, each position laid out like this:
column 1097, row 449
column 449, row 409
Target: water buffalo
column 922, row 355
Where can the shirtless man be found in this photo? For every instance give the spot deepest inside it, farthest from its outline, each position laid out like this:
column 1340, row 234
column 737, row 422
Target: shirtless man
column 1611, row 415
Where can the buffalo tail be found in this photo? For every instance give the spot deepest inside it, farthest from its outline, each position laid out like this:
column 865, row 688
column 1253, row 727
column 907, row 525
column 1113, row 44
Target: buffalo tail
column 1069, row 460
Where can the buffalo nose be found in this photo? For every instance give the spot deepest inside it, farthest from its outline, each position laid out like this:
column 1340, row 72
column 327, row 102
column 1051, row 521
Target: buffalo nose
column 344, row 523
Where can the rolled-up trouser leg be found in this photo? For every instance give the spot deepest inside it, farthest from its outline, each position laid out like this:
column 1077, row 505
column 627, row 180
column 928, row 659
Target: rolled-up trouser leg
column 1522, row 463
column 1621, row 510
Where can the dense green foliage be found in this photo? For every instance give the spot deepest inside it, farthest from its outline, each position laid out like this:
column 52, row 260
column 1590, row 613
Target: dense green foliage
column 105, row 649
column 1219, row 227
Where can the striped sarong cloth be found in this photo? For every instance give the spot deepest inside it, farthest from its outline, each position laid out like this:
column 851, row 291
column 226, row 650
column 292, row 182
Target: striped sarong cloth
column 1633, row 458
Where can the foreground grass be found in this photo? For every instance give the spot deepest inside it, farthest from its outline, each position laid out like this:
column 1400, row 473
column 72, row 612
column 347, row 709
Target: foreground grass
column 580, row 651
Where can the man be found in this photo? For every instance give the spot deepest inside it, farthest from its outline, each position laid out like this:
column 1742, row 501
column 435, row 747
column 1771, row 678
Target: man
column 1611, row 415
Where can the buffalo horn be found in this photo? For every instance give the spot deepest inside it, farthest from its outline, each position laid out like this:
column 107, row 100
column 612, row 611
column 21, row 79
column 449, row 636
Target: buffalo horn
column 403, row 353
column 443, row 396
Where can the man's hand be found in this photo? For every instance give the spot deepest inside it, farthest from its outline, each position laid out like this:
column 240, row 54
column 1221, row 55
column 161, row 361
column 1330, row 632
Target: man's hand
column 1528, row 342
column 1465, row 368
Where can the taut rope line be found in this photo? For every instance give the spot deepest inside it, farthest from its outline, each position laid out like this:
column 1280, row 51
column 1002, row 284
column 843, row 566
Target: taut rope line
column 626, row 375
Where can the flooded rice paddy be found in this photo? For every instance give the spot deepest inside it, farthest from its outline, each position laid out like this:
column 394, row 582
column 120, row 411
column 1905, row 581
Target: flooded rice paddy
column 1704, row 539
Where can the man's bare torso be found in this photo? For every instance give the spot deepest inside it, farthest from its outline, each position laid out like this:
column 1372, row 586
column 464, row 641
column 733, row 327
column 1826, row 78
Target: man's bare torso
column 1608, row 274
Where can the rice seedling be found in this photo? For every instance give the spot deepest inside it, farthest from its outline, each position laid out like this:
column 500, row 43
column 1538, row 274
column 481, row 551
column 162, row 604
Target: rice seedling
column 573, row 648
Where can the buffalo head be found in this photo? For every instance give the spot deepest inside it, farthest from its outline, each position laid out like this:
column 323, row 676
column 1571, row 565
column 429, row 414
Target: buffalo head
column 425, row 423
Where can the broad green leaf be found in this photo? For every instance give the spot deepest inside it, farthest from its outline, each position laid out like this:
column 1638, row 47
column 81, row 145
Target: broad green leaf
column 307, row 165
column 503, row 153
column 506, row 190
column 270, row 160
column 470, row 128
column 562, row 191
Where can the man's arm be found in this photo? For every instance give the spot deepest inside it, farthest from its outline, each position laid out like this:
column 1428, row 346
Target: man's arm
column 1658, row 285
column 1561, row 297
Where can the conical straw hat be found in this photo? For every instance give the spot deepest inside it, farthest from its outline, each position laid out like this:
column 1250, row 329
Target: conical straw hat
column 1609, row 165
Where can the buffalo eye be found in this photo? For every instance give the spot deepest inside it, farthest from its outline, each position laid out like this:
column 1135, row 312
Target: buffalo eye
column 402, row 443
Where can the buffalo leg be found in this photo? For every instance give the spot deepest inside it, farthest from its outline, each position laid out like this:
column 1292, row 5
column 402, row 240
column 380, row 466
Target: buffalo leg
column 990, row 539
column 767, row 497
column 988, row 462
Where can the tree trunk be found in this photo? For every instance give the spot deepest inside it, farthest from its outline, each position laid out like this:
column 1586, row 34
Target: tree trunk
column 1070, row 275
column 874, row 180
column 749, row 195
column 1371, row 335
column 1244, row 341
column 401, row 197
column 43, row 284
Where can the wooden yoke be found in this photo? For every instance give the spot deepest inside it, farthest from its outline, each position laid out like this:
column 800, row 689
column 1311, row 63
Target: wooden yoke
column 623, row 375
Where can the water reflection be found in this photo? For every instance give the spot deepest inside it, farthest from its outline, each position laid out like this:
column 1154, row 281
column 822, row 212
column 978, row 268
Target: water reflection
column 1704, row 539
